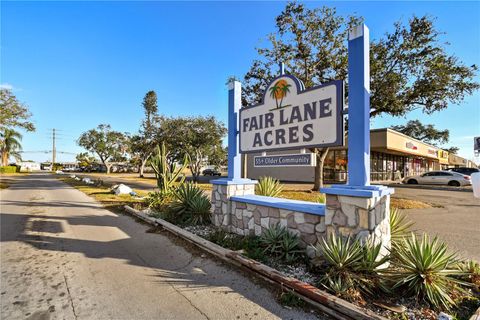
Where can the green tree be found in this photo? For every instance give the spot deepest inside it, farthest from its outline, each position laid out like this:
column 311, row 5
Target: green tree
column 10, row 145
column 200, row 138
column 426, row 133
column 142, row 145
column 84, row 159
column 13, row 113
column 410, row 68
column 453, row 150
column 108, row 145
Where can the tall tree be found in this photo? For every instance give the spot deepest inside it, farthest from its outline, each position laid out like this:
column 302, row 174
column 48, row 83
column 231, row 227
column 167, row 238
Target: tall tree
column 143, row 144
column 410, row 67
column 14, row 113
column 426, row 133
column 109, row 145
column 10, row 145
column 200, row 138
column 84, row 159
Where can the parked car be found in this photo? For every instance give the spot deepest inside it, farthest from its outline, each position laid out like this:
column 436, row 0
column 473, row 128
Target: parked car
column 211, row 172
column 464, row 170
column 449, row 178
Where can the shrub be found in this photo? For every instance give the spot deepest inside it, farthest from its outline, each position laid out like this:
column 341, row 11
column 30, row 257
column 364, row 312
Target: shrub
column 159, row 201
column 268, row 186
column 8, row 169
column 280, row 243
column 321, row 198
column 351, row 266
column 191, row 205
column 425, row 269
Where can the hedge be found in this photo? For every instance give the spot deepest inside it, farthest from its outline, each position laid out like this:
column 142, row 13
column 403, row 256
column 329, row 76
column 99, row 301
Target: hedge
column 8, row 169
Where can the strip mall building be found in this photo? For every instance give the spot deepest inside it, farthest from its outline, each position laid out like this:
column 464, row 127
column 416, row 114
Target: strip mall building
column 393, row 156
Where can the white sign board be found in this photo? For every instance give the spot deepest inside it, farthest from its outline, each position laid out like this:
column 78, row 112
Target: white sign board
column 286, row 160
column 291, row 118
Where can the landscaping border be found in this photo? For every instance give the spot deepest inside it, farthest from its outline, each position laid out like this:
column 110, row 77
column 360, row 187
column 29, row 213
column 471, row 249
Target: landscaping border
column 330, row 304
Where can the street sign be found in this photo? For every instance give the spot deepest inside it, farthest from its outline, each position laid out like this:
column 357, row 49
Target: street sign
column 286, row 160
column 291, row 117
column 476, row 144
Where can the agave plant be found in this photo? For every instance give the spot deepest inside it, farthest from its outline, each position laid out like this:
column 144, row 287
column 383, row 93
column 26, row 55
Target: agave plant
column 268, row 186
column 190, row 204
column 279, row 242
column 351, row 265
column 425, row 269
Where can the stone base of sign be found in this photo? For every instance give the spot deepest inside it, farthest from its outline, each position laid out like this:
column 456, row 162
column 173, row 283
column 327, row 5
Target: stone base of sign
column 363, row 217
column 222, row 190
column 249, row 218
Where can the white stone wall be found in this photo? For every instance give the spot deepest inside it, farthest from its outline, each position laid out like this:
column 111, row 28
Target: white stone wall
column 252, row 219
column 221, row 206
column 362, row 218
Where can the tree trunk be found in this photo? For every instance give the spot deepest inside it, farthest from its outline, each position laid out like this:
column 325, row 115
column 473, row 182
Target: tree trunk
column 5, row 159
column 321, row 154
column 142, row 167
column 109, row 166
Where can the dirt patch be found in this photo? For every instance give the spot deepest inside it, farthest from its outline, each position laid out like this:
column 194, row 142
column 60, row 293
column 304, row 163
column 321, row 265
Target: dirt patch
column 402, row 203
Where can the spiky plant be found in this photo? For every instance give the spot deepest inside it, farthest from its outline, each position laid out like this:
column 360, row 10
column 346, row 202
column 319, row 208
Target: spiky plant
column 351, row 265
column 190, row 204
column 279, row 242
column 168, row 175
column 268, row 186
column 424, row 268
column 400, row 227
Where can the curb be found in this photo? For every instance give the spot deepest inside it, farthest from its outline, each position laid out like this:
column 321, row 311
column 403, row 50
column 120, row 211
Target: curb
column 330, row 304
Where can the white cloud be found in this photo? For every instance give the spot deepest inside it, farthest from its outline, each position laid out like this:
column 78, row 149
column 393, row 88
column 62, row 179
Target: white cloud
column 7, row 86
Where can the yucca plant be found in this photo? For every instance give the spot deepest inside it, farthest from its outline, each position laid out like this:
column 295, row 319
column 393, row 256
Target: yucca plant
column 268, row 186
column 424, row 268
column 400, row 226
column 351, row 265
column 191, row 205
column 279, row 242
column 471, row 268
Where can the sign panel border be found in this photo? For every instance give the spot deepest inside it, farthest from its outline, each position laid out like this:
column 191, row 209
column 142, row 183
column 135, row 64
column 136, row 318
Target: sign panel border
column 311, row 155
column 340, row 88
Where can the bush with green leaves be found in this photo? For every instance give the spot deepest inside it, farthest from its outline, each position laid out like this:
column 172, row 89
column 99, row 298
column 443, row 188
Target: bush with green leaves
column 281, row 243
column 268, row 186
column 321, row 198
column 191, row 205
column 159, row 202
column 351, row 265
column 471, row 268
column 424, row 268
column 8, row 169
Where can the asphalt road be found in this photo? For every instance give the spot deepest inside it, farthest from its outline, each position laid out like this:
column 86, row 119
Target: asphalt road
column 65, row 257
column 457, row 221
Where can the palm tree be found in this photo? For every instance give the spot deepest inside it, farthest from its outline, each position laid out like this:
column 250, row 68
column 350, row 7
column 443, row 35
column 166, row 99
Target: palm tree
column 285, row 89
column 274, row 92
column 10, row 145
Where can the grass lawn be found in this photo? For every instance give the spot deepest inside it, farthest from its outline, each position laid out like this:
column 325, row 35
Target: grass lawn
column 105, row 196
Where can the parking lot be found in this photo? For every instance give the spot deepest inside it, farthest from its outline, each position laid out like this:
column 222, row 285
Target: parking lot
column 455, row 217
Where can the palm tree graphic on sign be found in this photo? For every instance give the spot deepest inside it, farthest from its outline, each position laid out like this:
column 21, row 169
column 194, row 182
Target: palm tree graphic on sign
column 279, row 91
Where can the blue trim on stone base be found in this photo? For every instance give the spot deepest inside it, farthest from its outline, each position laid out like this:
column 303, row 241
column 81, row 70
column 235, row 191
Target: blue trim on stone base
column 227, row 181
column 287, row 204
column 358, row 191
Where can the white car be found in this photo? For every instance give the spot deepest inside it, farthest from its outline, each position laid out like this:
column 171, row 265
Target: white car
column 449, row 178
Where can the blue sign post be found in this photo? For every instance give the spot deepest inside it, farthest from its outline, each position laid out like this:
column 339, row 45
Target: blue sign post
column 358, row 182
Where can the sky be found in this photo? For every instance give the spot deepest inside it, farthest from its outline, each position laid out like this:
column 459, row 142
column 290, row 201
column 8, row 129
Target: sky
column 80, row 64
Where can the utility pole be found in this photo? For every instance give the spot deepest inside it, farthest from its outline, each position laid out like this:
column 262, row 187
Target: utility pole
column 54, row 151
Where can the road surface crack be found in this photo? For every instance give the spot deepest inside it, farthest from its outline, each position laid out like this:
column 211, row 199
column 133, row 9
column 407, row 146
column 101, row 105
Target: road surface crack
column 70, row 297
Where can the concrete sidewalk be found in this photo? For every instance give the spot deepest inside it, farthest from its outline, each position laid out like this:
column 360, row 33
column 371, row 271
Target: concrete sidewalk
column 65, row 257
